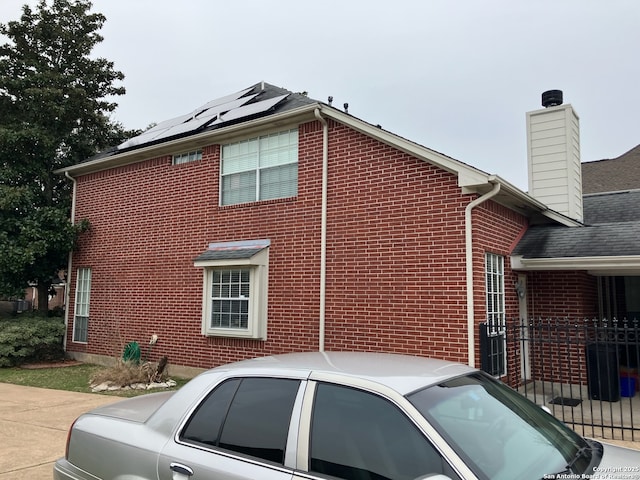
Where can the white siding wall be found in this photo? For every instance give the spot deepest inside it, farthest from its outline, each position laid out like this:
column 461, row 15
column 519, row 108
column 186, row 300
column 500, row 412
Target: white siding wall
column 553, row 147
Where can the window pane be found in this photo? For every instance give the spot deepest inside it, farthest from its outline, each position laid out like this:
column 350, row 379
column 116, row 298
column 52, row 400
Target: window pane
column 205, row 424
column 355, row 434
column 257, row 423
column 273, row 158
column 80, row 325
column 230, row 298
column 279, row 182
column 239, row 188
column 81, row 315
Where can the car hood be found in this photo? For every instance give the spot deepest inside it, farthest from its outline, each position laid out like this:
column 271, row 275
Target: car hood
column 618, row 462
column 137, row 409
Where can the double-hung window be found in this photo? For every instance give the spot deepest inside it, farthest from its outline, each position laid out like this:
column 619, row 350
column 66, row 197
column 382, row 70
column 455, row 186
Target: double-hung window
column 235, row 289
column 81, row 315
column 260, row 168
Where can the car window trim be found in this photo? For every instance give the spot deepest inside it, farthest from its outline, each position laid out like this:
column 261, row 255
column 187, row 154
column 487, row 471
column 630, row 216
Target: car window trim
column 292, row 438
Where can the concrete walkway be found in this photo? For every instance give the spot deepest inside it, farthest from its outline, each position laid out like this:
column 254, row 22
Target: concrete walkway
column 34, row 423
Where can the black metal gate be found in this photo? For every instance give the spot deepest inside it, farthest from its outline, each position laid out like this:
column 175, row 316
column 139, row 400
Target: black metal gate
column 584, row 371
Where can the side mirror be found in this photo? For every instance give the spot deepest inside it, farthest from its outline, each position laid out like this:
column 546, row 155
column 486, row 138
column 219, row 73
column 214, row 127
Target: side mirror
column 546, row 409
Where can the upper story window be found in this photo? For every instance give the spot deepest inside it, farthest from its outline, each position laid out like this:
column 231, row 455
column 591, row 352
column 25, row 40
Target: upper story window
column 260, row 168
column 187, row 157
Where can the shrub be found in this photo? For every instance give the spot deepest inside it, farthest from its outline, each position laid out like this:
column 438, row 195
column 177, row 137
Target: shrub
column 30, row 338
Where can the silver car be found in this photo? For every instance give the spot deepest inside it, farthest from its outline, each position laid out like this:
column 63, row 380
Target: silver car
column 361, row 416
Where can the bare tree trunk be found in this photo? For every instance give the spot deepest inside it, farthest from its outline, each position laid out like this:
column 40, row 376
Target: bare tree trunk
column 43, row 297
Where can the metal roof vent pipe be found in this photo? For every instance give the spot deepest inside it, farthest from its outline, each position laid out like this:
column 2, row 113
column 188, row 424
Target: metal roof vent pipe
column 551, row 98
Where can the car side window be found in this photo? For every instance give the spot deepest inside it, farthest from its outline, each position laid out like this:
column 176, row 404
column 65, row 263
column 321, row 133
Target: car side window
column 359, row 435
column 250, row 416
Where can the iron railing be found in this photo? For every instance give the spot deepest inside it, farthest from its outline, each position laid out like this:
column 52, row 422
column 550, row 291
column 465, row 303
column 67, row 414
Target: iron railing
column 584, row 371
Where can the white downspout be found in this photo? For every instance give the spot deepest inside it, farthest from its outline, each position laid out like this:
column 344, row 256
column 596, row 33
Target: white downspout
column 69, row 264
column 469, row 269
column 323, row 228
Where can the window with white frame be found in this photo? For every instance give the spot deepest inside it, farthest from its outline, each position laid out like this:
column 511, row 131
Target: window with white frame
column 496, row 345
column 187, row 157
column 235, row 290
column 260, row 168
column 81, row 310
column 495, row 290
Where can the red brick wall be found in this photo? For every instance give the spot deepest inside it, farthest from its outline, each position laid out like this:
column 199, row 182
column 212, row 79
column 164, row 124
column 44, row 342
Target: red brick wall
column 395, row 256
column 558, row 303
column 562, row 294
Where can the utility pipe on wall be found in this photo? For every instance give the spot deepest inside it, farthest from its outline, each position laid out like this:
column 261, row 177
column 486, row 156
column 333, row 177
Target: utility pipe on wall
column 469, row 268
column 69, row 263
column 323, row 228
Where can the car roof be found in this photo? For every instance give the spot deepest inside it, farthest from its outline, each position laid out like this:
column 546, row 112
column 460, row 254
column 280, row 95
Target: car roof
column 402, row 373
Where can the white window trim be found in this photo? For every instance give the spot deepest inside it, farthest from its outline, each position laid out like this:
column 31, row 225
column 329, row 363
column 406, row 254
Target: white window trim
column 259, row 275
column 258, row 168
column 86, row 271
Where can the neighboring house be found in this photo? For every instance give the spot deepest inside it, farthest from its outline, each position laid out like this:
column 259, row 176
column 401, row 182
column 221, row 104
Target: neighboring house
column 266, row 222
column 57, row 294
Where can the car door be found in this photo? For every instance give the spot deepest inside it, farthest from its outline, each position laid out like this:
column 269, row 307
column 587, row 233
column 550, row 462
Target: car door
column 355, row 434
column 240, row 431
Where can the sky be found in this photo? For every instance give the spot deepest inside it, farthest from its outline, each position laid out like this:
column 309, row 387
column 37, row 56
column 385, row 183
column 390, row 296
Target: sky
column 456, row 76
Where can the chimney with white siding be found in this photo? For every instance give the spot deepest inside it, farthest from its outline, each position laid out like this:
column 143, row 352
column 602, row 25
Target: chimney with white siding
column 553, row 151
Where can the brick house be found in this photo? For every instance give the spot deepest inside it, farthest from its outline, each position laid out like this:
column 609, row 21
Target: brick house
column 266, row 222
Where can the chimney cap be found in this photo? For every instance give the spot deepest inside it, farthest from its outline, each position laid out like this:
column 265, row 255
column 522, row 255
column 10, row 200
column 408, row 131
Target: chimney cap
column 551, row 98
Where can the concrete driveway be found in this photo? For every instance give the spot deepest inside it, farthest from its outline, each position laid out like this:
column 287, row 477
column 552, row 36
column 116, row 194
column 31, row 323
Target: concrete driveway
column 34, row 423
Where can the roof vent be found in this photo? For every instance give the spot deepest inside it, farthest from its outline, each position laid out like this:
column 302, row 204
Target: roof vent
column 551, row 98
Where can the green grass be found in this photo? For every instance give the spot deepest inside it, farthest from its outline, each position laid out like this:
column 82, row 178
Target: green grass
column 73, row 379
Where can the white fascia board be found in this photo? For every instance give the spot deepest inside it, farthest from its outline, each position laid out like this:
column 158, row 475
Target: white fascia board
column 536, row 204
column 623, row 265
column 190, row 141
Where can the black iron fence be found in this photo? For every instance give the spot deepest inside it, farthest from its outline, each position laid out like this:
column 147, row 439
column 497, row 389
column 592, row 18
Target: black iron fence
column 584, row 371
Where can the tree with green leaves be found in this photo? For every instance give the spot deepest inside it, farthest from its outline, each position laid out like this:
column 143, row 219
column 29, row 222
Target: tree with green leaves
column 54, row 112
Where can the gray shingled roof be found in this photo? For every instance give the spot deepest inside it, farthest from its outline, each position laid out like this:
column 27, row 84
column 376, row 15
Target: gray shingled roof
column 233, row 250
column 612, row 228
column 612, row 207
column 622, row 173
column 615, row 239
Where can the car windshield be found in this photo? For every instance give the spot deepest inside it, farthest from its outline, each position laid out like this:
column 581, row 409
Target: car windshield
column 500, row 434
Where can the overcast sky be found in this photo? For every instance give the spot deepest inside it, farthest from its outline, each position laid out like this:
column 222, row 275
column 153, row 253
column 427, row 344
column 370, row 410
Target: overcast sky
column 456, row 76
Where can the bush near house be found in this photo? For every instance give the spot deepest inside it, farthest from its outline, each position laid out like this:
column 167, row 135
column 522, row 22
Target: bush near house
column 29, row 338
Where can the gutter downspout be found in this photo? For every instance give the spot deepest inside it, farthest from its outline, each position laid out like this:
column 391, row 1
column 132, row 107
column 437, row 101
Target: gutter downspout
column 69, row 264
column 469, row 268
column 323, row 228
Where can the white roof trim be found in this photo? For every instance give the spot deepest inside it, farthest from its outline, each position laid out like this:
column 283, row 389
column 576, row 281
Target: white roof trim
column 623, row 265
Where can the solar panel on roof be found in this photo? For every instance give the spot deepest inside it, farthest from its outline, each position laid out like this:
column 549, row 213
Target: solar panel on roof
column 253, row 108
column 225, row 107
column 226, row 98
column 215, row 112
